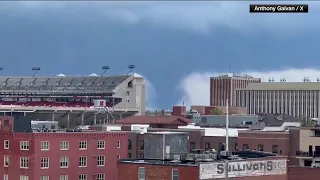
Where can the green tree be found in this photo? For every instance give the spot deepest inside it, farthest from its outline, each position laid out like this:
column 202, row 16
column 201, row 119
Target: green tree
column 306, row 121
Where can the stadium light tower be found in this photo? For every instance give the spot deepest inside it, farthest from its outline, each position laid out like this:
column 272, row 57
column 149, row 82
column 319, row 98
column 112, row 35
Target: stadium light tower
column 131, row 67
column 35, row 70
column 105, row 69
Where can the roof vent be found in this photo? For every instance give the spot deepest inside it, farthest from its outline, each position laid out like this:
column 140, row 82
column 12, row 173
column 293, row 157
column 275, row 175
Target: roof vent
column 306, row 79
column 283, row 80
column 271, row 79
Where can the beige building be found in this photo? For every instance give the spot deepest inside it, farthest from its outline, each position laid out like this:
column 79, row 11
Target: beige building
column 298, row 99
column 306, row 140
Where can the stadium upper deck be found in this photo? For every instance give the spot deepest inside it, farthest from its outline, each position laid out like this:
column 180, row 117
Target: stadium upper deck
column 71, row 98
column 60, row 85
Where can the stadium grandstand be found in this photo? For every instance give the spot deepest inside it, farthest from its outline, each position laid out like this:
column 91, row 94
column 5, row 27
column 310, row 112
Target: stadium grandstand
column 73, row 100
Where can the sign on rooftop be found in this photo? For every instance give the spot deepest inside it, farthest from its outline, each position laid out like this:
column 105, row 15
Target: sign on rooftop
column 243, row 169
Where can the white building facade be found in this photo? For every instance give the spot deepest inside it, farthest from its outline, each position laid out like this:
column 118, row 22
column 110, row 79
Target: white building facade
column 298, row 99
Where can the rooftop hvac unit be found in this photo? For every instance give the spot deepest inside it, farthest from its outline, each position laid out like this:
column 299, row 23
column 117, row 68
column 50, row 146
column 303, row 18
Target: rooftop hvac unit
column 225, row 153
column 315, row 165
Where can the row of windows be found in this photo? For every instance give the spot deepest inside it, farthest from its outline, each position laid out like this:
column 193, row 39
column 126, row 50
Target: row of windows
column 99, row 176
column 275, row 148
column 64, row 145
column 64, row 161
column 142, row 174
column 130, row 144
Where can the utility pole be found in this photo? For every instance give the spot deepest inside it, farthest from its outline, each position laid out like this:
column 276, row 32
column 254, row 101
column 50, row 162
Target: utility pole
column 227, row 140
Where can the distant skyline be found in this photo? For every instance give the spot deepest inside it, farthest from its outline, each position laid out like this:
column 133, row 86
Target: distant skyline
column 176, row 46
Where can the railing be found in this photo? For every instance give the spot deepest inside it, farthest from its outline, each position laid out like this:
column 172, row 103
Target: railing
column 192, row 156
column 308, row 154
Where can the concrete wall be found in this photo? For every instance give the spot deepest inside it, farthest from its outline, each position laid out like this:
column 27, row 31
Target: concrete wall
column 307, row 140
column 134, row 96
column 233, row 120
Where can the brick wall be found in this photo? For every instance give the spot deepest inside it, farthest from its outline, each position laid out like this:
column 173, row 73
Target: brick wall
column 129, row 171
column 303, row 173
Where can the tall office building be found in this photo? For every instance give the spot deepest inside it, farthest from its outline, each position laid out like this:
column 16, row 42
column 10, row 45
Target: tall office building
column 224, row 87
column 298, row 99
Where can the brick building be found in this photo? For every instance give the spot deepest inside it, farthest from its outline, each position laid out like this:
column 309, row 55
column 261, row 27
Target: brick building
column 202, row 138
column 162, row 121
column 167, row 158
column 269, row 141
column 143, row 169
column 224, row 87
column 33, row 155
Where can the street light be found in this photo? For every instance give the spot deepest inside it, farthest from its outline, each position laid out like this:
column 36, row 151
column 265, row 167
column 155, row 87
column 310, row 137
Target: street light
column 35, row 70
column 131, row 67
column 105, row 69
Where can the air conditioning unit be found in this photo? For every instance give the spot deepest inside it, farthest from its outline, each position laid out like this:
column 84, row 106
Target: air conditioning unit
column 226, row 153
column 315, row 165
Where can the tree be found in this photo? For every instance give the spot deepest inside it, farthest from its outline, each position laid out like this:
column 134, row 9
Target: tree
column 216, row 111
column 306, row 121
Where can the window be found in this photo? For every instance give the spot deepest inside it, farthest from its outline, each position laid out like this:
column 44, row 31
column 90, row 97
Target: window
column 129, row 144
column 275, row 149
column 24, row 177
column 24, row 145
column 175, row 174
column 5, row 177
column 44, row 145
column 44, row 162
column 141, row 144
column 44, row 178
column 129, row 155
column 64, row 145
column 245, row 147
column 235, row 146
column 221, row 146
column 100, row 161
column 5, row 160
column 83, row 145
column 64, row 162
column 100, row 176
column 6, row 144
column 83, row 161
column 141, row 175
column 260, row 147
column 141, row 155
column 118, row 144
column 128, row 93
column 82, row 177
column 192, row 146
column 24, row 162
column 101, row 144
column 6, row 122
column 207, row 146
column 63, row 177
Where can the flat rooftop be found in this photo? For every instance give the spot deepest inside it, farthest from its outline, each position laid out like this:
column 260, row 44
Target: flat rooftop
column 283, row 86
column 192, row 163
